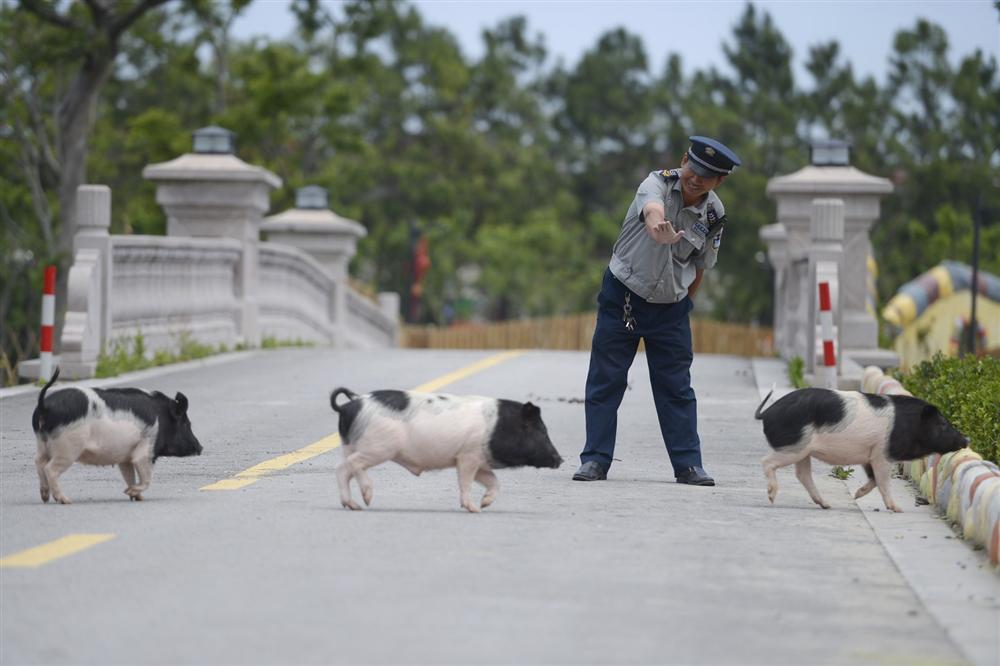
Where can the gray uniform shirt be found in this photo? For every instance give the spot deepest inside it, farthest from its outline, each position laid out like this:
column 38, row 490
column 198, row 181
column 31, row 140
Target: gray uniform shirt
column 663, row 273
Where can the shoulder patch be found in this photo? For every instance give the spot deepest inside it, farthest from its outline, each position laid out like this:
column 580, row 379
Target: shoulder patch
column 717, row 241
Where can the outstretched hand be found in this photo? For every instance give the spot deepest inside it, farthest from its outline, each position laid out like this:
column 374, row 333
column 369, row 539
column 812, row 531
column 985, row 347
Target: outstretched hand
column 664, row 233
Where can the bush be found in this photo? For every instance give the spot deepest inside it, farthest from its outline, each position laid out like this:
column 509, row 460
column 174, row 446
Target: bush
column 967, row 391
column 795, row 372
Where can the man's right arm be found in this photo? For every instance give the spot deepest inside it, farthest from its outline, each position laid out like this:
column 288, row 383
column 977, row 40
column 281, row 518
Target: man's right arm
column 657, row 227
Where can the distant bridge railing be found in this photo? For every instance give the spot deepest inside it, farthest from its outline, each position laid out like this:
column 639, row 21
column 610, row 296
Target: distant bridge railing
column 163, row 287
column 296, row 296
column 220, row 291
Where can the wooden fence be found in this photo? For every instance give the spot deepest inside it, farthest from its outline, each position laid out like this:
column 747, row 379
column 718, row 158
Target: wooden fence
column 574, row 332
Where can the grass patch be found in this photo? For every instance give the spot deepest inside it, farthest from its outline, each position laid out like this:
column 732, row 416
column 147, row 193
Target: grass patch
column 271, row 342
column 129, row 354
column 796, row 376
column 842, row 473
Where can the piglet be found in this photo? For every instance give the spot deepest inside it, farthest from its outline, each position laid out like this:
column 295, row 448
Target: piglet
column 127, row 427
column 425, row 431
column 851, row 428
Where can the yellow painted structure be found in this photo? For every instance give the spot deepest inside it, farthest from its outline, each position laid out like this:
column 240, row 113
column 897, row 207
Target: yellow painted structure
column 937, row 327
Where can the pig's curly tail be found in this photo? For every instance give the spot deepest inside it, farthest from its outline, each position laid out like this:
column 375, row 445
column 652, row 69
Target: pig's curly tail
column 351, row 395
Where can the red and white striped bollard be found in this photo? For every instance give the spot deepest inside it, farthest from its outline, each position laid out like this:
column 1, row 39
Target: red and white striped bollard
column 48, row 323
column 829, row 369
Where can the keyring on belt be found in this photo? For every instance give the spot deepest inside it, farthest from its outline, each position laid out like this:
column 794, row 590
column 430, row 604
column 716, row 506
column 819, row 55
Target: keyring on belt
column 627, row 317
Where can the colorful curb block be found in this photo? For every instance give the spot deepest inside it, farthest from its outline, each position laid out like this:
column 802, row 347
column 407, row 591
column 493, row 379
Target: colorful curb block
column 961, row 484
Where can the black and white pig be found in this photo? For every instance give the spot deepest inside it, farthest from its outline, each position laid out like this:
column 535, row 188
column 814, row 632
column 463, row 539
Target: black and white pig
column 127, row 427
column 851, row 428
column 425, row 431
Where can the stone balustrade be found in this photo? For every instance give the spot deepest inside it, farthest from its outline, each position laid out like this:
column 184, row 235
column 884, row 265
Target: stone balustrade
column 166, row 288
column 371, row 325
column 296, row 296
column 211, row 279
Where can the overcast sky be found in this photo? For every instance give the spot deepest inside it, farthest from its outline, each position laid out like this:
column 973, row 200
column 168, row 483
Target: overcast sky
column 694, row 29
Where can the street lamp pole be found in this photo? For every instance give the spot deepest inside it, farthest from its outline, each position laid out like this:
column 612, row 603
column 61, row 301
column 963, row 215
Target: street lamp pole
column 976, row 224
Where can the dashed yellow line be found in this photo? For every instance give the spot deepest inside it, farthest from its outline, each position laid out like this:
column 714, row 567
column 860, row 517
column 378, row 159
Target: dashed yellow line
column 462, row 373
column 251, row 475
column 330, row 442
column 53, row 550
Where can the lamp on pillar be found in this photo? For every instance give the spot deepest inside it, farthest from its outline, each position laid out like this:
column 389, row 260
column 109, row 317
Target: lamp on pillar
column 214, row 140
column 312, row 197
column 829, row 152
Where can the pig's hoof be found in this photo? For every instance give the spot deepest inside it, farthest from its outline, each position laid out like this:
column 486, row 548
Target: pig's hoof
column 45, row 495
column 64, row 500
column 352, row 505
column 896, row 509
column 823, row 505
column 487, row 500
column 472, row 508
column 366, row 494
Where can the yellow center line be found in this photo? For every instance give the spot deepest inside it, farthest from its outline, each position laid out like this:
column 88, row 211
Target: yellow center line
column 330, row 442
column 53, row 550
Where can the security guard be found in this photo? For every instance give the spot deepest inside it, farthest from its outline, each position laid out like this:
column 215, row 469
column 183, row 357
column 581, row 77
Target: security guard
column 671, row 234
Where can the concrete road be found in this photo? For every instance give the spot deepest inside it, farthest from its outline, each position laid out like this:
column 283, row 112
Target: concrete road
column 636, row 569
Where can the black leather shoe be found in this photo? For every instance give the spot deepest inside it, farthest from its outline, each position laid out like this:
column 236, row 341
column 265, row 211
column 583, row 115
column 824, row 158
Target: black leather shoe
column 591, row 471
column 695, row 476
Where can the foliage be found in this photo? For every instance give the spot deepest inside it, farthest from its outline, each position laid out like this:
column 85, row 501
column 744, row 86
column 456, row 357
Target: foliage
column 967, row 391
column 271, row 342
column 796, row 375
column 129, row 354
column 517, row 169
column 842, row 473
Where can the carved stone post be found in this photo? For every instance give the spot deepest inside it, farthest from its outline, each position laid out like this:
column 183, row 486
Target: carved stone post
column 315, row 229
column 830, row 175
column 211, row 192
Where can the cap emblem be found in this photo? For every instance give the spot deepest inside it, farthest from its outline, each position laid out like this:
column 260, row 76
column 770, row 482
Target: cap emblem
column 710, row 151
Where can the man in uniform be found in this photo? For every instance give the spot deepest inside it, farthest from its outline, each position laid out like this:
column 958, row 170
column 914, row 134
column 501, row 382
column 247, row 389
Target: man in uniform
column 671, row 234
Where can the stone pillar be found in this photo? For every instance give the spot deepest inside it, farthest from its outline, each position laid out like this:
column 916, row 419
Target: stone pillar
column 333, row 240
column 211, row 192
column 776, row 239
column 88, row 296
column 826, row 263
column 93, row 224
column 315, row 229
column 830, row 175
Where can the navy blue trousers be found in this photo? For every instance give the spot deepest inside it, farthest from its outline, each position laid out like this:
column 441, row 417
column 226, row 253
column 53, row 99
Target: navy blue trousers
column 666, row 330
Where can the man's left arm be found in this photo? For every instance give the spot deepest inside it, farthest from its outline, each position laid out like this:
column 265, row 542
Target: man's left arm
column 698, row 274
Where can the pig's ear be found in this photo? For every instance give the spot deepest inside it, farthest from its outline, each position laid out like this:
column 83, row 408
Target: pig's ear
column 530, row 411
column 929, row 412
column 182, row 402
